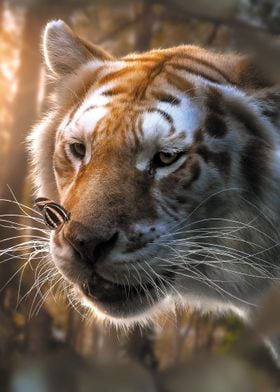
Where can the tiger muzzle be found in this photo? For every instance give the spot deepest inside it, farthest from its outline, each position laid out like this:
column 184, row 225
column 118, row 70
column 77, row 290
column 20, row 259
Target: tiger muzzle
column 91, row 247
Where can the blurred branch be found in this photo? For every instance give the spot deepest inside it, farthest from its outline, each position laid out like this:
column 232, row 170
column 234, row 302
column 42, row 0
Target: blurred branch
column 229, row 12
column 24, row 114
column 112, row 34
column 261, row 13
column 145, row 28
column 140, row 348
column 2, row 3
column 144, row 31
column 212, row 35
column 183, row 329
column 38, row 333
column 264, row 48
column 7, row 37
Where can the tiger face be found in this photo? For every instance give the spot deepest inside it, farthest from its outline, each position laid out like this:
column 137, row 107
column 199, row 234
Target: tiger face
column 161, row 159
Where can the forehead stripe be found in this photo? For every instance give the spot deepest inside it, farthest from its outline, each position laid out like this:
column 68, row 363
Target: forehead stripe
column 194, row 71
column 115, row 75
column 115, row 91
column 180, row 83
column 71, row 114
column 167, row 116
column 202, row 62
column 89, row 108
column 164, row 97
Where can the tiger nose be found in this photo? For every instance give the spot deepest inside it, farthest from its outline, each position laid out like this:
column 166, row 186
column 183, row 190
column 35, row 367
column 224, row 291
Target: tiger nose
column 95, row 248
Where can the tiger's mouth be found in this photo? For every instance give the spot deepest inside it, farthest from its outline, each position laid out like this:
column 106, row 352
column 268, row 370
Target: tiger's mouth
column 121, row 300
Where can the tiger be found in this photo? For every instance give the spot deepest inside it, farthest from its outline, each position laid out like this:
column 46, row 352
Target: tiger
column 169, row 163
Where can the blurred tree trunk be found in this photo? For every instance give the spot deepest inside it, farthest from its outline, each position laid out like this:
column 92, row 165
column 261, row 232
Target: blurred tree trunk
column 145, row 28
column 1, row 13
column 25, row 103
column 24, row 114
column 263, row 15
column 26, row 108
column 38, row 333
column 140, row 348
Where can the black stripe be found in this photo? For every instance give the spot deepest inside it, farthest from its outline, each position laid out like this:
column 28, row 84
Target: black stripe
column 206, row 64
column 56, row 218
column 40, row 202
column 54, row 214
column 49, row 222
column 168, row 98
column 163, row 114
column 60, row 210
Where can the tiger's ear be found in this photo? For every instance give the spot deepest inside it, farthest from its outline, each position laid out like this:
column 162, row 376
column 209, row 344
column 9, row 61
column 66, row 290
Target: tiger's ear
column 65, row 52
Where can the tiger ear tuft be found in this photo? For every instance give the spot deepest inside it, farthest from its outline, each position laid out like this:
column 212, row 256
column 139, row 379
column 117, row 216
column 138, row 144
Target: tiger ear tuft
column 65, row 52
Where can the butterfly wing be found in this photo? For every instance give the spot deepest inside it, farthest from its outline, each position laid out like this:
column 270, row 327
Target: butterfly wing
column 55, row 216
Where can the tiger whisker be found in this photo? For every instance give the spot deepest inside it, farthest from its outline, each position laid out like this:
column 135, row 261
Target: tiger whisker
column 21, row 206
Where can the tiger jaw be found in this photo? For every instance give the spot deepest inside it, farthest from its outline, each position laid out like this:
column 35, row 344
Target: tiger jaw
column 116, row 289
column 122, row 301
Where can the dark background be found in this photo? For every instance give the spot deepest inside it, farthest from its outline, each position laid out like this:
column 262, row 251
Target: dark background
column 45, row 344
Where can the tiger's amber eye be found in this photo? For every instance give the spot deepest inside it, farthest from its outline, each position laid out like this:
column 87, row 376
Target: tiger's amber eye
column 167, row 158
column 162, row 159
column 78, row 150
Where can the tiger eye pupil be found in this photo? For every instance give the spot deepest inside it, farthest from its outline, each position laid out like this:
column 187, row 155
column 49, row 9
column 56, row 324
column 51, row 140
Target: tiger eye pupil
column 78, row 149
column 162, row 159
column 166, row 157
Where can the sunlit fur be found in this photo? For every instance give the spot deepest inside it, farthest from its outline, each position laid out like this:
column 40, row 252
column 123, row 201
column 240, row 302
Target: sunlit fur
column 206, row 226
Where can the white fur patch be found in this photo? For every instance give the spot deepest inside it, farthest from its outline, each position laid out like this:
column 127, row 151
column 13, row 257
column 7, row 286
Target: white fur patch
column 165, row 305
column 186, row 117
column 88, row 121
column 94, row 107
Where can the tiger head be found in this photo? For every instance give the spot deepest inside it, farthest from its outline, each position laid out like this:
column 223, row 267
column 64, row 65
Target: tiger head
column 155, row 155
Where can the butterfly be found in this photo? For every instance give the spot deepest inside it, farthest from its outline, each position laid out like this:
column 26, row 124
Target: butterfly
column 55, row 216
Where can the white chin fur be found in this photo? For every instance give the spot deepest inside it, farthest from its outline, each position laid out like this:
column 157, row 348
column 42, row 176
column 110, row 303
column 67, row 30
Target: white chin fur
column 143, row 318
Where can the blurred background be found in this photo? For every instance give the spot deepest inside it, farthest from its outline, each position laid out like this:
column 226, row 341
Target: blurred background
column 45, row 343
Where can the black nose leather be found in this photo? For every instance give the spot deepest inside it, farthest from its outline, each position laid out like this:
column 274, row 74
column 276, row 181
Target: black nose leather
column 93, row 249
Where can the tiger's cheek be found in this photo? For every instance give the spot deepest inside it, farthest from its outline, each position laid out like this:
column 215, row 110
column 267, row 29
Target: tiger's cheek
column 179, row 188
column 64, row 171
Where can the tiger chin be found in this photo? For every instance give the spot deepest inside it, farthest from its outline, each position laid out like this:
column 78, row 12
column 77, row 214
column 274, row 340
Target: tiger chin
column 169, row 164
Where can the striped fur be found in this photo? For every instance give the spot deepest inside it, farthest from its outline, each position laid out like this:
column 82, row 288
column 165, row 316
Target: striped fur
column 217, row 120
column 55, row 215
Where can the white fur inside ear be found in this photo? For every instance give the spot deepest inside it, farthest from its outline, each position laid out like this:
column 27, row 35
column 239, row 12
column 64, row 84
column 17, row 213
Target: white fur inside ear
column 64, row 51
column 53, row 33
